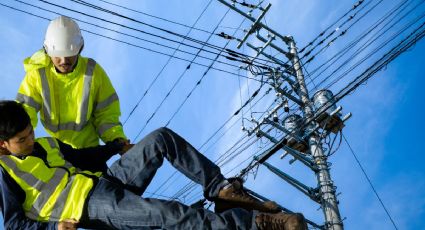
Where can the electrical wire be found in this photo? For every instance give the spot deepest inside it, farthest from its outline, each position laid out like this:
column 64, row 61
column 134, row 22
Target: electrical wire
column 156, row 17
column 352, row 86
column 227, row 152
column 361, row 37
column 165, row 65
column 376, row 49
column 406, row 43
column 141, row 31
column 84, row 3
column 388, row 57
column 416, row 38
column 335, row 30
column 196, row 85
column 178, row 80
column 340, row 35
column 190, row 186
column 369, row 181
column 330, row 26
column 124, row 42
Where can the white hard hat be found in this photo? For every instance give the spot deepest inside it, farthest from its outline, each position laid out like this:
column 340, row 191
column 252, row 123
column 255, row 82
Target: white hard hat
column 63, row 38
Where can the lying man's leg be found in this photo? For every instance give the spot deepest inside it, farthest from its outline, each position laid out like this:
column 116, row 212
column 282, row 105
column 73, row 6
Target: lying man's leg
column 112, row 207
column 138, row 165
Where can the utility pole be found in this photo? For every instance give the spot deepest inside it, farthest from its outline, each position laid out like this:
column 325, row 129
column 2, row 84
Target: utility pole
column 302, row 141
column 329, row 202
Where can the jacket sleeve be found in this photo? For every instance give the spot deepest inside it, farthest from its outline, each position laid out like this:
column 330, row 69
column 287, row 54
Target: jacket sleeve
column 29, row 94
column 107, row 108
column 92, row 158
column 11, row 199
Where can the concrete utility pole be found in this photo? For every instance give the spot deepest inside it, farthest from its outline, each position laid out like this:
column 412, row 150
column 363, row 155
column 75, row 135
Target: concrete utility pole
column 329, row 202
column 302, row 141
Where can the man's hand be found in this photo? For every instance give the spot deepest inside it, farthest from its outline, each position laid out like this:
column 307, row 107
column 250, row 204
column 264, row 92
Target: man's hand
column 68, row 224
column 125, row 148
column 126, row 145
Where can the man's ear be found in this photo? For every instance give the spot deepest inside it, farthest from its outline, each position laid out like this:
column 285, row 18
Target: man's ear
column 3, row 149
column 2, row 144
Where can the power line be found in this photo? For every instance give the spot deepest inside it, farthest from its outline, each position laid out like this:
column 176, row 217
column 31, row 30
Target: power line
column 377, row 66
column 124, row 42
column 198, row 82
column 178, row 80
column 335, row 30
column 405, row 44
column 224, row 159
column 372, row 39
column 361, row 37
column 340, row 35
column 377, row 49
column 369, row 181
column 228, row 151
column 156, row 17
column 185, row 189
column 221, row 127
column 392, row 54
column 165, row 65
column 190, row 187
column 230, row 52
column 136, row 37
column 327, row 28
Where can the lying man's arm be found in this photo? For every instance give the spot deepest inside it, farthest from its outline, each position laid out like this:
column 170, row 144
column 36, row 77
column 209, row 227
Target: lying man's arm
column 93, row 158
column 11, row 199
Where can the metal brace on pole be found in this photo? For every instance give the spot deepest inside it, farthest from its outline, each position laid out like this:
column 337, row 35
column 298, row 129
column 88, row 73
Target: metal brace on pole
column 254, row 26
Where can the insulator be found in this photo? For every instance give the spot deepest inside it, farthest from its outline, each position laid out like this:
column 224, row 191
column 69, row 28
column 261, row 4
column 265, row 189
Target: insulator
column 285, row 106
column 275, row 117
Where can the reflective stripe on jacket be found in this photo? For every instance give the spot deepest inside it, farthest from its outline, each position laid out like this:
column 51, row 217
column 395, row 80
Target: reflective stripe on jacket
column 76, row 108
column 54, row 190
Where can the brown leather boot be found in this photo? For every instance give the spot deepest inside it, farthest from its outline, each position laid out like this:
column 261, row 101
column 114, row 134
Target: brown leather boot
column 234, row 196
column 280, row 221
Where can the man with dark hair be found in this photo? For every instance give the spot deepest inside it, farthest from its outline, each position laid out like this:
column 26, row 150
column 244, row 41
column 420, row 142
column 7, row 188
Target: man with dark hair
column 46, row 184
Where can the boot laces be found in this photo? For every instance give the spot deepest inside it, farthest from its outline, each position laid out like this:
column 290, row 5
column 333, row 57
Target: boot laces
column 269, row 222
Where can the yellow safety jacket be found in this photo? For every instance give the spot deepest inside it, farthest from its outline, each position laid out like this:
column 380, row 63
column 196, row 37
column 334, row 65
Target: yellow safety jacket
column 54, row 190
column 76, row 108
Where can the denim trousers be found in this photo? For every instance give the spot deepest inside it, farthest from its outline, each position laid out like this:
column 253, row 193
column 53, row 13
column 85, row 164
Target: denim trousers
column 116, row 202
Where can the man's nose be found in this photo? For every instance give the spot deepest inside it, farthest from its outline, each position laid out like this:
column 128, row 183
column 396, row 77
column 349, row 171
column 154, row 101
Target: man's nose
column 62, row 60
column 31, row 138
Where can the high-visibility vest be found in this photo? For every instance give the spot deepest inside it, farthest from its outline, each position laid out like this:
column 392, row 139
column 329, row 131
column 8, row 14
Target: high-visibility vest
column 76, row 108
column 54, row 190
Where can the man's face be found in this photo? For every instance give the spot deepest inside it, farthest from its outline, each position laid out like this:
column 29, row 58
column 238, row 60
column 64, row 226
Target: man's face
column 22, row 143
column 65, row 64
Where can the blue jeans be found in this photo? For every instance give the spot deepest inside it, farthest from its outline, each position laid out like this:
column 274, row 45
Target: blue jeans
column 116, row 202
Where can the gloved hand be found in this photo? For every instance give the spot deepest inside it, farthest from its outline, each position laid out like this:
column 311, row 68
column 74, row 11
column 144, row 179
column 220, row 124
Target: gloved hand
column 125, row 145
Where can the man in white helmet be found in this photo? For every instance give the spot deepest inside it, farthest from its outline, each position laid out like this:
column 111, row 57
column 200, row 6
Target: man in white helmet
column 75, row 98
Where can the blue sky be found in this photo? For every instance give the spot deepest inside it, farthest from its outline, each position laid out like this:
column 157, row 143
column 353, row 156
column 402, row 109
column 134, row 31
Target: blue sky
column 386, row 130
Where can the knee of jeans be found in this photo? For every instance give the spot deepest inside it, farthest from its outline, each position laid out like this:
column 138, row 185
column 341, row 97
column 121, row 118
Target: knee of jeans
column 162, row 132
column 157, row 133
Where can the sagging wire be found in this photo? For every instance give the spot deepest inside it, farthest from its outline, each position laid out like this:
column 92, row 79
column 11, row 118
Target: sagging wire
column 156, row 17
column 113, row 39
column 324, row 31
column 165, row 65
column 338, row 55
column 340, row 35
